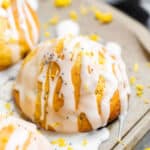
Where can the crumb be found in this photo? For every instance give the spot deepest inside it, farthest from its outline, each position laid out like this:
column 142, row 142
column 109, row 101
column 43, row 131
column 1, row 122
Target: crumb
column 132, row 80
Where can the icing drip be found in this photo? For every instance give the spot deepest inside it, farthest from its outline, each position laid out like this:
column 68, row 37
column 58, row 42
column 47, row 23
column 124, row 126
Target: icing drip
column 124, row 88
column 100, row 59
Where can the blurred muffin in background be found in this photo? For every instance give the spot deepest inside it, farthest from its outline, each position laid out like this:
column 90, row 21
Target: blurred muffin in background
column 19, row 31
column 18, row 134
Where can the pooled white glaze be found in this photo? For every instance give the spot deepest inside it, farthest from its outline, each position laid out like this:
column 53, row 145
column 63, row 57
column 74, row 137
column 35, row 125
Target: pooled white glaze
column 87, row 101
column 67, row 27
column 21, row 133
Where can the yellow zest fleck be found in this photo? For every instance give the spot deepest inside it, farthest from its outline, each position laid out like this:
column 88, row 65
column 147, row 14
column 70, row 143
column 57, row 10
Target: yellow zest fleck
column 56, row 124
column 6, row 4
column 47, row 34
column 132, row 80
column 45, row 26
column 94, row 37
column 147, row 148
column 135, row 67
column 86, row 87
column 62, row 3
column 84, row 10
column 139, row 93
column 146, row 101
column 54, row 20
column 69, row 148
column 60, row 142
column 84, row 142
column 139, row 87
column 8, row 106
column 101, row 58
column 139, row 90
column 73, row 15
column 103, row 17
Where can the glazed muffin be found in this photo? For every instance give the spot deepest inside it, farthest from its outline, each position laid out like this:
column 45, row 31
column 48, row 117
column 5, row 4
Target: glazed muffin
column 72, row 84
column 18, row 134
column 19, row 31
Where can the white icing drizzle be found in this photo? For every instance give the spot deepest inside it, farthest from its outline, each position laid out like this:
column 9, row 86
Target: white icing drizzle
column 33, row 24
column 41, row 77
column 12, row 23
column 23, row 22
column 34, row 4
column 22, row 130
column 87, row 103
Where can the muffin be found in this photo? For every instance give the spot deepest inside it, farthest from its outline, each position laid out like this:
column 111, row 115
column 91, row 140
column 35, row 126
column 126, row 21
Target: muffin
column 18, row 134
column 72, row 84
column 19, row 31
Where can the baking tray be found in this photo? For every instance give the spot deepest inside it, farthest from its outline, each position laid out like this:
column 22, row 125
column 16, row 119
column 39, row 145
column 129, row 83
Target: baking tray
column 135, row 42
